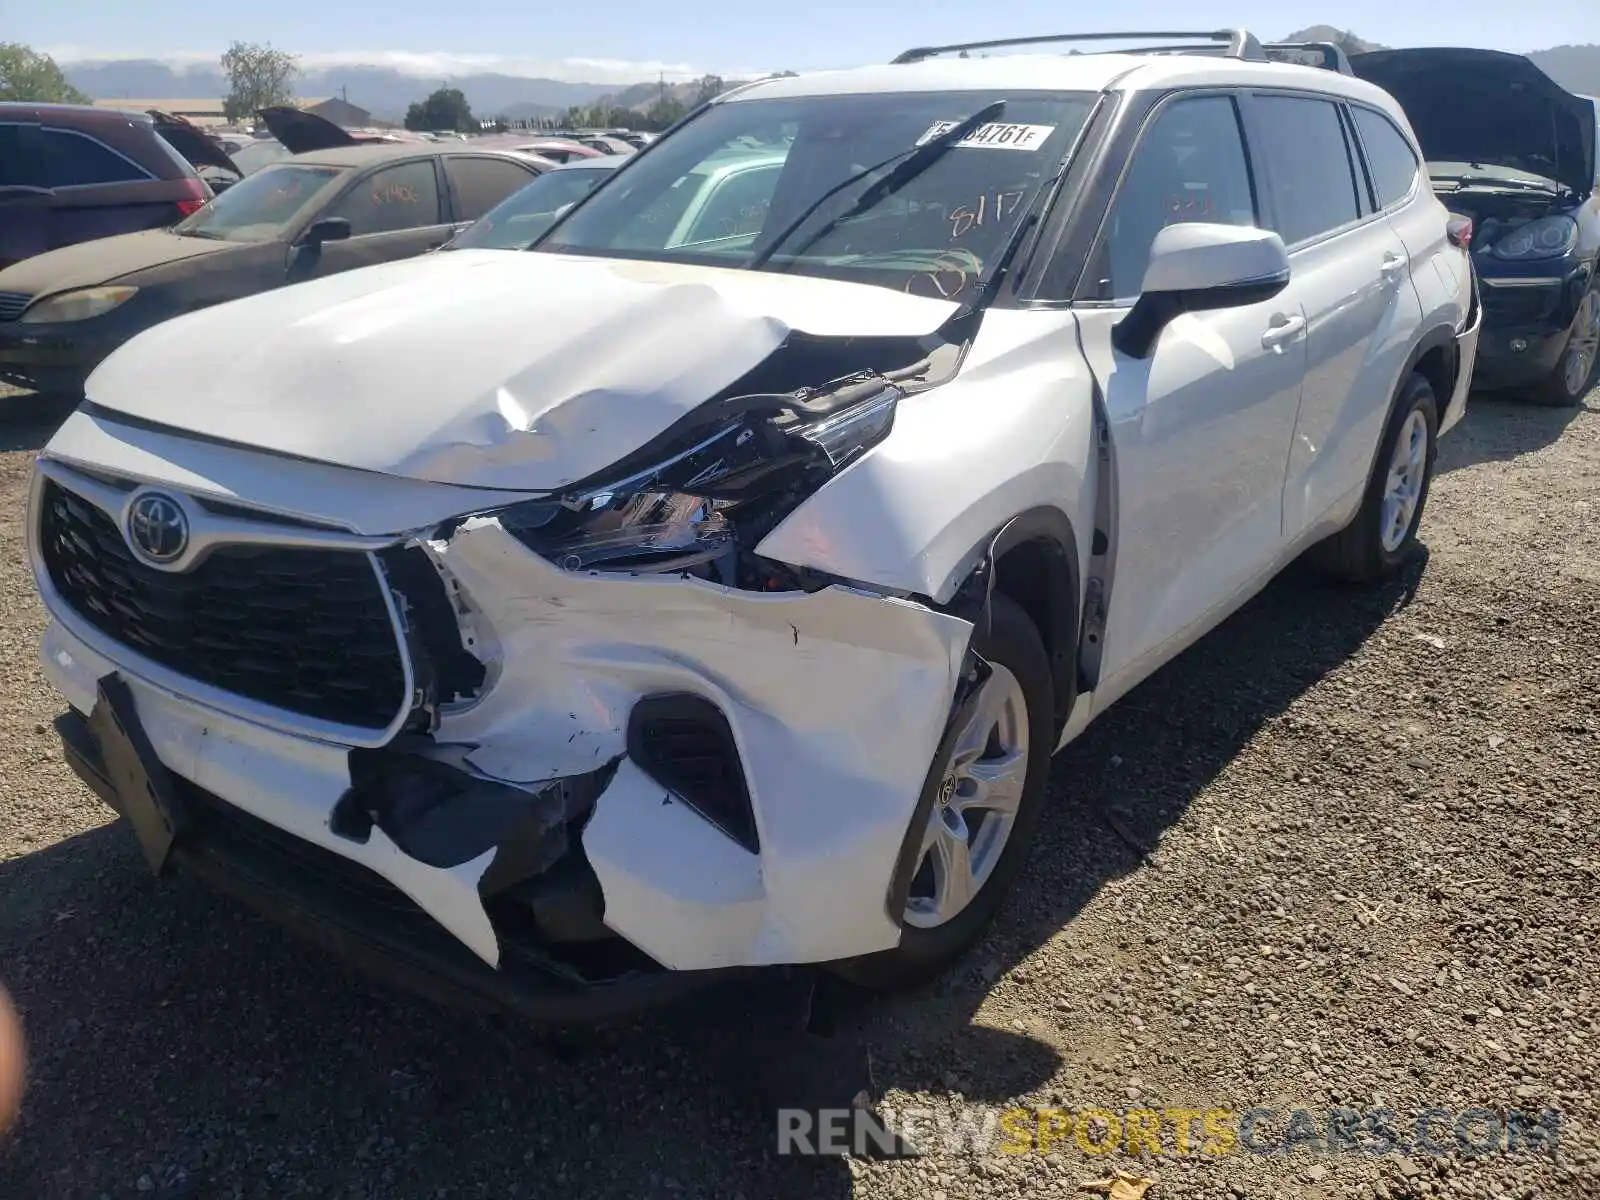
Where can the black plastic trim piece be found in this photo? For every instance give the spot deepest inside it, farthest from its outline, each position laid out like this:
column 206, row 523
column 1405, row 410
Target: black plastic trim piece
column 1051, row 529
column 654, row 718
column 414, row 954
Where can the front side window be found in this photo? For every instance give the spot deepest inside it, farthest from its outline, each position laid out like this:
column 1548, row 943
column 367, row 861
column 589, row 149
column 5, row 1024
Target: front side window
column 75, row 160
column 1389, row 156
column 404, row 196
column 260, row 207
column 518, row 220
column 848, row 187
column 1190, row 165
column 1313, row 176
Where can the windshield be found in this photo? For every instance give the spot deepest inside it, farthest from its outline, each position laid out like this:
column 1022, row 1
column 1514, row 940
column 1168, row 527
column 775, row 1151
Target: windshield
column 256, row 154
column 516, row 221
column 260, row 206
column 810, row 186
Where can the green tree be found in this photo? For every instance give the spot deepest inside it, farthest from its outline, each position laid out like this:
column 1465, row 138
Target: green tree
column 258, row 77
column 709, row 88
column 28, row 75
column 445, row 109
column 664, row 113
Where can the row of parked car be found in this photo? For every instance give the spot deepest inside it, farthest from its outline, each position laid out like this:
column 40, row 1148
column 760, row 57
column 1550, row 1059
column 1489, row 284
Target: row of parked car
column 202, row 221
column 694, row 564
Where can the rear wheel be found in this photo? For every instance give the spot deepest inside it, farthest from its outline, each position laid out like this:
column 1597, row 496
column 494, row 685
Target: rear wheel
column 1575, row 373
column 989, row 792
column 1383, row 533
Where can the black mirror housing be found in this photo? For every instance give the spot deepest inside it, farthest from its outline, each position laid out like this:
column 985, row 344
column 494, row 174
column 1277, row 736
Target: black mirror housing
column 326, row 229
column 1135, row 335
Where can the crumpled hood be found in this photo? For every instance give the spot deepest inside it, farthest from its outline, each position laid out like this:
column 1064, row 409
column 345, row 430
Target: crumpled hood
column 88, row 264
column 1487, row 106
column 484, row 368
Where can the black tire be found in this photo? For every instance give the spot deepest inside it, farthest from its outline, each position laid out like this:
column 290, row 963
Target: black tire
column 1554, row 391
column 1356, row 553
column 1013, row 642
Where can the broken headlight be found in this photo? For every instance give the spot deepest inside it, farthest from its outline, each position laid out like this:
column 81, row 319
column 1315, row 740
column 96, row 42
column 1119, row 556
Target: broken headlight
column 724, row 491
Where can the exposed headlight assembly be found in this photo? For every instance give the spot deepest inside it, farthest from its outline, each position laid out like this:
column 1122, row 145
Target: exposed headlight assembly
column 78, row 305
column 724, row 491
column 1548, row 237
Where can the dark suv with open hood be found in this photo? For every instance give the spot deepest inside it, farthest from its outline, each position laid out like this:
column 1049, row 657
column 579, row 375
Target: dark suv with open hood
column 1517, row 154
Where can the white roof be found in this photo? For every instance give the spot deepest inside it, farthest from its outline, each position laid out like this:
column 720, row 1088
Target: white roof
column 1066, row 73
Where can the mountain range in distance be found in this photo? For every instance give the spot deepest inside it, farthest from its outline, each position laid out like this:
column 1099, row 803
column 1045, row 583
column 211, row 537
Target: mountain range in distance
column 387, row 91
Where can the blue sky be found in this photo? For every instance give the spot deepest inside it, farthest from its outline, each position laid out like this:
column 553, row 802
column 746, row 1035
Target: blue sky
column 624, row 38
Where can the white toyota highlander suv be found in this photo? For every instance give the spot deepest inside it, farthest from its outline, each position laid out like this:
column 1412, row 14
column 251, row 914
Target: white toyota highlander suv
column 555, row 627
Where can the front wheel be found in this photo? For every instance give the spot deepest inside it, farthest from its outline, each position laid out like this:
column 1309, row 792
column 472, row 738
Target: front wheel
column 1383, row 533
column 989, row 792
column 1575, row 373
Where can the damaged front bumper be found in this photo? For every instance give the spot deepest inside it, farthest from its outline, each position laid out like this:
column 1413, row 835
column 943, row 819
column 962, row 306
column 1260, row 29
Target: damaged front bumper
column 658, row 778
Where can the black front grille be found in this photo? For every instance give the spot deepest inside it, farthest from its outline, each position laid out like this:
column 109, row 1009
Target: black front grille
column 303, row 630
column 12, row 304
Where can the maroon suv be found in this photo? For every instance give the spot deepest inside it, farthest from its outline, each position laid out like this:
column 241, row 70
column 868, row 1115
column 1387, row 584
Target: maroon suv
column 70, row 173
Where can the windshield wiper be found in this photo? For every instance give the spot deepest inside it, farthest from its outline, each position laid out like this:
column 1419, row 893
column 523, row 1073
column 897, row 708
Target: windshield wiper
column 200, row 233
column 1484, row 179
column 911, row 163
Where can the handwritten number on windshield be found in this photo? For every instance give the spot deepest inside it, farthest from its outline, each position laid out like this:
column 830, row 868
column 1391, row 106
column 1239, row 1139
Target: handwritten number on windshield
column 988, row 207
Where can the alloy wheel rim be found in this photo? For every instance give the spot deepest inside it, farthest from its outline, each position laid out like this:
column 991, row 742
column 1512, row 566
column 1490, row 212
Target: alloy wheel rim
column 1408, row 467
column 976, row 809
column 1584, row 344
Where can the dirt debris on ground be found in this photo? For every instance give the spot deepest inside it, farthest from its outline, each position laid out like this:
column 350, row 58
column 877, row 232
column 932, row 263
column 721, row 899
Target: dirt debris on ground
column 1342, row 855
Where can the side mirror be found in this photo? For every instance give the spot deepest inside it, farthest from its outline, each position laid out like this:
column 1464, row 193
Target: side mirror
column 1199, row 266
column 328, row 229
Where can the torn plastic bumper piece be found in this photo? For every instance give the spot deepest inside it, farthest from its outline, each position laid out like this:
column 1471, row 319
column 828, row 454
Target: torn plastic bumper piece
column 770, row 746
column 360, row 916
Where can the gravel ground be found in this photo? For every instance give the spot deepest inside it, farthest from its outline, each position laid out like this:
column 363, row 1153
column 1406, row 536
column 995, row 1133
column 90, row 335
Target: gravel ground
column 1367, row 879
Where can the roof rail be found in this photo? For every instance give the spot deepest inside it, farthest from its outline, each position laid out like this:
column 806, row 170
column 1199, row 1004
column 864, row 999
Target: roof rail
column 1333, row 57
column 1329, row 56
column 1240, row 43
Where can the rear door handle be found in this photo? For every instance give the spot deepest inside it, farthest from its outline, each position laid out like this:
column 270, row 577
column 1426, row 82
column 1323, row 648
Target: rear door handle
column 1284, row 328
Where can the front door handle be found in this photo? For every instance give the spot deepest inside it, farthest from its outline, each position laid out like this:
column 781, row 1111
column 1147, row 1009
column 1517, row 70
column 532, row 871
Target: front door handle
column 1392, row 264
column 1284, row 328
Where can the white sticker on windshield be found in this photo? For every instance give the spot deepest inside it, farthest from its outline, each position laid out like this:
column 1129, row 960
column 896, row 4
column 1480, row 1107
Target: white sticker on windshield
column 995, row 136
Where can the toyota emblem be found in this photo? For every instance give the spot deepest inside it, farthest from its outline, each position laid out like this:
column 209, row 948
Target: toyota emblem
column 158, row 529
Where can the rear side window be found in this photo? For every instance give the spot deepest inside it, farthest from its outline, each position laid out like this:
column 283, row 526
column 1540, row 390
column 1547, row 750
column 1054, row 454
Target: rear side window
column 481, row 183
column 1309, row 165
column 1389, row 156
column 77, row 160
column 404, row 196
column 1190, row 165
column 182, row 168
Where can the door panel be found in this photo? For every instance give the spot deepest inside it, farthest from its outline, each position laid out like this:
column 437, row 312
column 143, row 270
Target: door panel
column 1200, row 429
column 395, row 212
column 367, row 251
column 1351, row 273
column 1362, row 324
